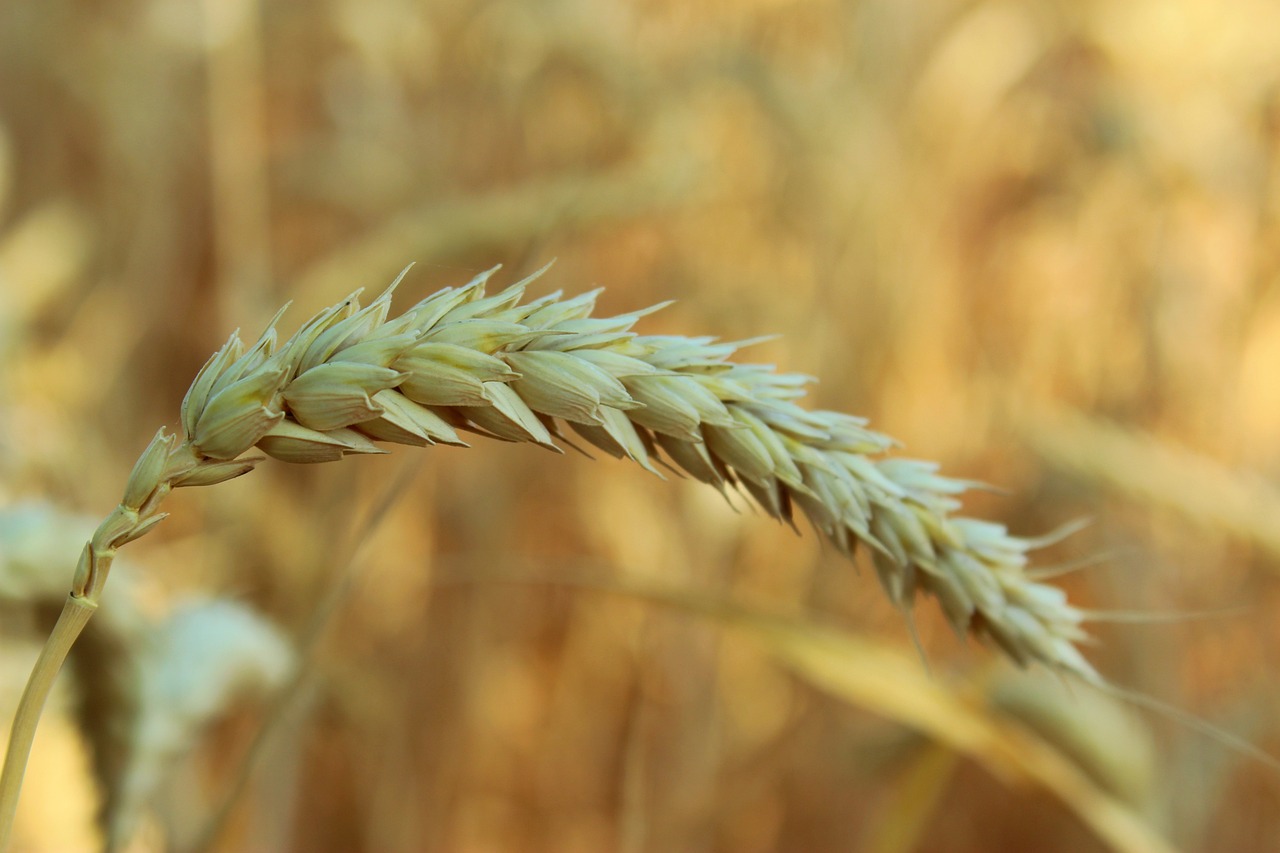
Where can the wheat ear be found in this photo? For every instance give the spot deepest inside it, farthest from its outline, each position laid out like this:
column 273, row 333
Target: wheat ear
column 353, row 377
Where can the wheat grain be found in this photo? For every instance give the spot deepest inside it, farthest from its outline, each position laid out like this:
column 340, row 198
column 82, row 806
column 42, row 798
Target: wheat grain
column 354, row 377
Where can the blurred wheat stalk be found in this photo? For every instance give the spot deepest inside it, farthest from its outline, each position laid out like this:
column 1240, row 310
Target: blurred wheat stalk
column 1157, row 473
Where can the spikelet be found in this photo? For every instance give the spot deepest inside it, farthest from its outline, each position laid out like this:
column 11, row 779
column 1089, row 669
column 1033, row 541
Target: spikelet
column 354, row 378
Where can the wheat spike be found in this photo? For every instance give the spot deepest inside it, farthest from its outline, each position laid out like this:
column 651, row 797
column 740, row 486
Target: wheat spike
column 354, row 378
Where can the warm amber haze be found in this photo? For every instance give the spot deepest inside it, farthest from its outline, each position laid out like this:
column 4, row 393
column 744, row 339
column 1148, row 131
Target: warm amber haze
column 1035, row 242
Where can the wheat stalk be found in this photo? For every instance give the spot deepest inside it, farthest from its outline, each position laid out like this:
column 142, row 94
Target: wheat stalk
column 144, row 688
column 460, row 361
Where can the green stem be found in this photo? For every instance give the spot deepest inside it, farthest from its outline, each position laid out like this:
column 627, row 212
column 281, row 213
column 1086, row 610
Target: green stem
column 75, row 615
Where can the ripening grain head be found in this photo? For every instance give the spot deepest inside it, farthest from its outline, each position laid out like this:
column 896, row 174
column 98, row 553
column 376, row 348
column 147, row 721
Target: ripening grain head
column 463, row 363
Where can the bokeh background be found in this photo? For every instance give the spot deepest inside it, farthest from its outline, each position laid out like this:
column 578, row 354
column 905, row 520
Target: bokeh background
column 1035, row 241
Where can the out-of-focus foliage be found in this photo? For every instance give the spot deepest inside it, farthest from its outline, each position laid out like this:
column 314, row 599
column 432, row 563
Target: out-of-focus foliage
column 998, row 229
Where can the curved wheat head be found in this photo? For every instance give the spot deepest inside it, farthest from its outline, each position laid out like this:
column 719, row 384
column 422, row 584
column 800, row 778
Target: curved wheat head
column 460, row 362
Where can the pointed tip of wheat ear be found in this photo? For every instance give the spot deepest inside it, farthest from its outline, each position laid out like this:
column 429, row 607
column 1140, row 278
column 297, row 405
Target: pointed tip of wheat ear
column 500, row 367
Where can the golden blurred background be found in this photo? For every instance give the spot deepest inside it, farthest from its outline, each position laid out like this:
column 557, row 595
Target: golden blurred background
column 1037, row 242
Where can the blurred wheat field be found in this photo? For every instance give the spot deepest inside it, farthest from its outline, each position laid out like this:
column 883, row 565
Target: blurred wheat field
column 1037, row 242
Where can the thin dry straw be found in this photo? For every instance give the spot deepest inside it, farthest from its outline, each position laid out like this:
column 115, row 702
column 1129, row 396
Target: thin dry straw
column 462, row 362
column 1044, row 573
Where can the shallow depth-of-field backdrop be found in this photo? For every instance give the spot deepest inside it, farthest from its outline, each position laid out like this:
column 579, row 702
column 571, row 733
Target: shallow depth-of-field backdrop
column 1037, row 242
